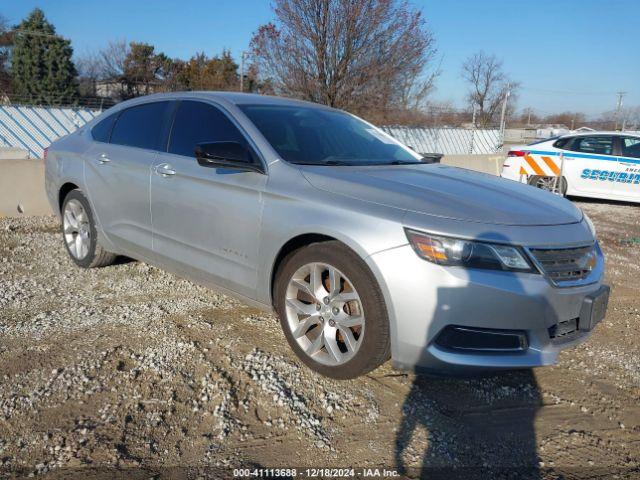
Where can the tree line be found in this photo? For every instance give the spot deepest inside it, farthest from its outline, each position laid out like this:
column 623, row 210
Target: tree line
column 375, row 58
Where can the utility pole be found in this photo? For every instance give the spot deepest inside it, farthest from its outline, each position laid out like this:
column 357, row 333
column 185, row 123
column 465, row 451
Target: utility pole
column 243, row 55
column 473, row 118
column 619, row 107
column 529, row 116
column 504, row 110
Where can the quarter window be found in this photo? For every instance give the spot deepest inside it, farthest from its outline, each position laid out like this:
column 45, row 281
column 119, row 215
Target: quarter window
column 142, row 126
column 562, row 142
column 630, row 147
column 597, row 145
column 101, row 132
column 198, row 122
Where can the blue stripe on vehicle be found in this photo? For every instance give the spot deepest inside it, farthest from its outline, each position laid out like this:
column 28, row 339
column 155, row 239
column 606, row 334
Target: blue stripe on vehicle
column 585, row 155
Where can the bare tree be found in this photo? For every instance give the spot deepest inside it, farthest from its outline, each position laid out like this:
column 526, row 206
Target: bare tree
column 360, row 55
column 101, row 73
column 488, row 86
column 628, row 119
column 571, row 120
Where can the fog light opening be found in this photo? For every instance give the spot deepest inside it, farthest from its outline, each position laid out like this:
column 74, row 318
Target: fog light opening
column 482, row 340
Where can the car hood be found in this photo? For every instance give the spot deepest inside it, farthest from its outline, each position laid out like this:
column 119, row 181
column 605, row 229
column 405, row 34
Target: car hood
column 446, row 192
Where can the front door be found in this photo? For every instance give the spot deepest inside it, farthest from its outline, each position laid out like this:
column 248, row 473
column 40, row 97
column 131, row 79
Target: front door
column 627, row 185
column 206, row 221
column 117, row 176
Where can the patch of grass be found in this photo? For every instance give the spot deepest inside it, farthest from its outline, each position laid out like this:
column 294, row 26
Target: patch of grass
column 630, row 241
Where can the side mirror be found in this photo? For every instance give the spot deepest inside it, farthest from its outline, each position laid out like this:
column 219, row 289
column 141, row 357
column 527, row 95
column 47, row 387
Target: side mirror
column 226, row 155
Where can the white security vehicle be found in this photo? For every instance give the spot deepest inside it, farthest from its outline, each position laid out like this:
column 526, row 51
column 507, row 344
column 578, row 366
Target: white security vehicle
column 592, row 164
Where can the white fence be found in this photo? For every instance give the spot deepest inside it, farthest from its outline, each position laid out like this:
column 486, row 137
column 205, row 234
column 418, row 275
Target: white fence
column 34, row 128
column 448, row 141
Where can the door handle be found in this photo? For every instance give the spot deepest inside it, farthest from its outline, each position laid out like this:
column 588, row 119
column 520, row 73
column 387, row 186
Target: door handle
column 164, row 170
column 103, row 159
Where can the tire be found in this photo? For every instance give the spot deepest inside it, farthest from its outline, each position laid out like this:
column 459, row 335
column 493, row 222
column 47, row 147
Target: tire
column 361, row 347
column 75, row 208
column 545, row 183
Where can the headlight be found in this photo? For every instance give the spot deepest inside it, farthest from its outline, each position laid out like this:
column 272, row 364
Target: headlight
column 592, row 227
column 466, row 253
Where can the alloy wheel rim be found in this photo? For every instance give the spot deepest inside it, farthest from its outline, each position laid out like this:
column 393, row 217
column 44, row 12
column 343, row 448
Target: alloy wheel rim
column 324, row 313
column 548, row 184
column 76, row 228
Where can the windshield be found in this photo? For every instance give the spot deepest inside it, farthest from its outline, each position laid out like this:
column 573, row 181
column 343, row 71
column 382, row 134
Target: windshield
column 316, row 136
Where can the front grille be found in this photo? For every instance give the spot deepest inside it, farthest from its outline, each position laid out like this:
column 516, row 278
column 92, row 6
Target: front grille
column 566, row 264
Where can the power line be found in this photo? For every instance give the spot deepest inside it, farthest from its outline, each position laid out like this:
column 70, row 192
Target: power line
column 564, row 92
column 35, row 33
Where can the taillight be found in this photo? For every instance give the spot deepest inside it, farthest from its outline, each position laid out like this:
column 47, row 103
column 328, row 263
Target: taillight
column 46, row 150
column 516, row 153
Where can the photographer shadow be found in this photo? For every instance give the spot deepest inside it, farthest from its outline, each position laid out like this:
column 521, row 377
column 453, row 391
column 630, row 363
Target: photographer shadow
column 480, row 427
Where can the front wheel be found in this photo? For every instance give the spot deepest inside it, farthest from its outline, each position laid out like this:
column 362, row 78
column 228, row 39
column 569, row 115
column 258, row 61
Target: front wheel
column 332, row 311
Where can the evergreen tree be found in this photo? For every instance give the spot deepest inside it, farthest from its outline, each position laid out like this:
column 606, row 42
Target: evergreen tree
column 6, row 42
column 41, row 67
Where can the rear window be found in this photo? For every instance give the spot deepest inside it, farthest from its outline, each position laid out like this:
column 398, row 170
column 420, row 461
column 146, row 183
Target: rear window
column 601, row 145
column 142, row 126
column 102, row 130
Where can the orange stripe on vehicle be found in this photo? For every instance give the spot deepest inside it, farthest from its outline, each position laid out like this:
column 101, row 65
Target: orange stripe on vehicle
column 523, row 171
column 551, row 164
column 532, row 163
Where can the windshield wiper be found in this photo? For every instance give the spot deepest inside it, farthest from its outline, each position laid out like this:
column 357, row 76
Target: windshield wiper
column 401, row 162
column 326, row 162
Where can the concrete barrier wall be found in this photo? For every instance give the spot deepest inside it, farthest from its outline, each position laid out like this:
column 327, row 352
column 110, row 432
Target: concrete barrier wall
column 22, row 188
column 22, row 181
column 11, row 153
column 480, row 163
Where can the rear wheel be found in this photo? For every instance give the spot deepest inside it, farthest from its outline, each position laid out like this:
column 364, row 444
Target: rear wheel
column 332, row 311
column 550, row 184
column 80, row 235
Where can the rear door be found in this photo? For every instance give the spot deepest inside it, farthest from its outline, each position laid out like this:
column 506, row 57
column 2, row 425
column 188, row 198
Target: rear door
column 117, row 175
column 591, row 165
column 627, row 184
column 206, row 221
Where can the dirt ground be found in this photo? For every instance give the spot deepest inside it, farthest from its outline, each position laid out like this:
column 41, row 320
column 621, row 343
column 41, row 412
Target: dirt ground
column 130, row 371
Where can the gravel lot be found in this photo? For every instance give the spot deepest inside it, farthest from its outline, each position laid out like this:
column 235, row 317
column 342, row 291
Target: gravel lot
column 134, row 368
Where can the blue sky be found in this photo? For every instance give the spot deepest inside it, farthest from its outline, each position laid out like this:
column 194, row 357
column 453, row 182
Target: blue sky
column 568, row 54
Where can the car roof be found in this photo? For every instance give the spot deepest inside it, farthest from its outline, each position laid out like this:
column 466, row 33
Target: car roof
column 600, row 132
column 235, row 98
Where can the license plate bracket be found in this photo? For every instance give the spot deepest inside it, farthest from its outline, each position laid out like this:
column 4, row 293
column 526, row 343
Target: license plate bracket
column 594, row 309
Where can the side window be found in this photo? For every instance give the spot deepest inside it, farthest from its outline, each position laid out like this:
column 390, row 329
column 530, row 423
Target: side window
column 562, row 142
column 198, row 122
column 101, row 132
column 142, row 126
column 630, row 146
column 597, row 145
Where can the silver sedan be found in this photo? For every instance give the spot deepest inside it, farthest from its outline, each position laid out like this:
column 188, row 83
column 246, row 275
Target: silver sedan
column 365, row 251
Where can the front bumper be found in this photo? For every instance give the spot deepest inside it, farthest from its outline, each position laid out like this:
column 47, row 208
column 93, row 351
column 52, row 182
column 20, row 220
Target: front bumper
column 424, row 298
